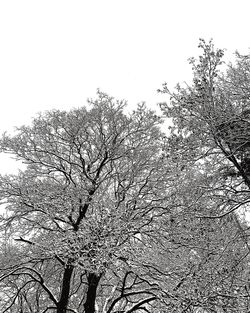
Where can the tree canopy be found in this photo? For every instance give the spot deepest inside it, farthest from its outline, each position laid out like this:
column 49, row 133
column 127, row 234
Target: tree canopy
column 115, row 214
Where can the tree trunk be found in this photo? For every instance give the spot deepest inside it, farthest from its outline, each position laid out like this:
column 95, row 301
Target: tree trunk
column 64, row 297
column 93, row 281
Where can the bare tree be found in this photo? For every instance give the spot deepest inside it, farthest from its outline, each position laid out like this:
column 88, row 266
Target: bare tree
column 209, row 143
column 95, row 181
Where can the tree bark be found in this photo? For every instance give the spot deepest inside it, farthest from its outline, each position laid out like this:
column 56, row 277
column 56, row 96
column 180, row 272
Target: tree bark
column 64, row 297
column 93, row 281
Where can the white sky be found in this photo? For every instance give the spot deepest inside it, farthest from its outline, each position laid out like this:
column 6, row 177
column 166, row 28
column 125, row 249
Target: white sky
column 56, row 53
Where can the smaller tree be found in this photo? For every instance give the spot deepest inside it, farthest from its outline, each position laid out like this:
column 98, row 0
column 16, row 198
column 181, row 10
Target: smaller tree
column 209, row 142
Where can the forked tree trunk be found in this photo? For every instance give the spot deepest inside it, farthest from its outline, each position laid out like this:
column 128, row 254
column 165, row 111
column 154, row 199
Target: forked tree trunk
column 93, row 281
column 64, row 297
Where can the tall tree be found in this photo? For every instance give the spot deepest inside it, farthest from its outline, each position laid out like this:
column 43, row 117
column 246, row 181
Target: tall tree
column 95, row 182
column 210, row 139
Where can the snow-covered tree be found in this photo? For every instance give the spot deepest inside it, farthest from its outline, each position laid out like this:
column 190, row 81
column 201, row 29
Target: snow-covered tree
column 209, row 142
column 96, row 181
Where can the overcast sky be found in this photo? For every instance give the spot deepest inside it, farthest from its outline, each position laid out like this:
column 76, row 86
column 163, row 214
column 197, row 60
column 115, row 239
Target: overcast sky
column 56, row 53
